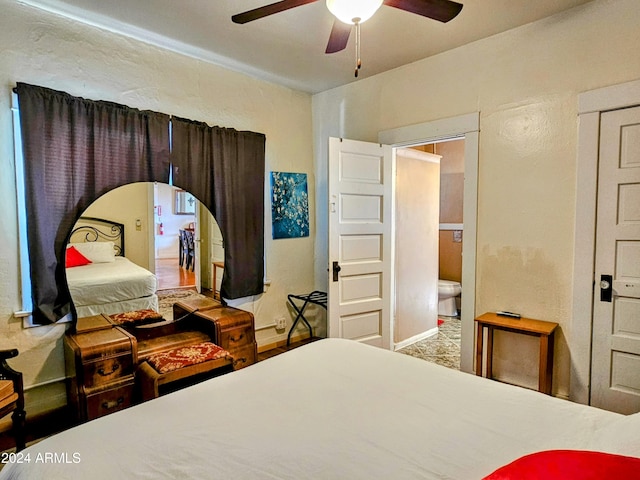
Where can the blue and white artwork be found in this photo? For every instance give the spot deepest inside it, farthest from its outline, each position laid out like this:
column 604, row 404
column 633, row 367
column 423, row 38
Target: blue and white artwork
column 289, row 205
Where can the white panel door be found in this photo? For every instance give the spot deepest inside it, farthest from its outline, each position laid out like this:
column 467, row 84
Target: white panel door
column 615, row 382
column 360, row 184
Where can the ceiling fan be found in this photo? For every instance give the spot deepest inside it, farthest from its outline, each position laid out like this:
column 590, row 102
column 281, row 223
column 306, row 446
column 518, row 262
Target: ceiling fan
column 354, row 12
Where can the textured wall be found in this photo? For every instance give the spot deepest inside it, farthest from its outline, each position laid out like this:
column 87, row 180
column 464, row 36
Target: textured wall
column 524, row 83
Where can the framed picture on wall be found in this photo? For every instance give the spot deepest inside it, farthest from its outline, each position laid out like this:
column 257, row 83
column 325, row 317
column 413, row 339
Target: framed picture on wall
column 289, row 205
column 185, row 203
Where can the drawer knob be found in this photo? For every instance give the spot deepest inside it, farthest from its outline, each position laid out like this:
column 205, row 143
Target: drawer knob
column 112, row 403
column 239, row 360
column 234, row 339
column 114, row 369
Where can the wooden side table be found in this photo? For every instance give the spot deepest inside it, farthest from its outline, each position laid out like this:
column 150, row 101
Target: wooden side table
column 527, row 326
column 216, row 266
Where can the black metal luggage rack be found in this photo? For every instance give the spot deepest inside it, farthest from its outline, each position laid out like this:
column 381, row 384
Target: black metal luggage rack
column 316, row 297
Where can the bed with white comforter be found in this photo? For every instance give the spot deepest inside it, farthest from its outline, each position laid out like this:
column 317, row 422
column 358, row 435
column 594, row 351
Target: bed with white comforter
column 112, row 287
column 333, row 409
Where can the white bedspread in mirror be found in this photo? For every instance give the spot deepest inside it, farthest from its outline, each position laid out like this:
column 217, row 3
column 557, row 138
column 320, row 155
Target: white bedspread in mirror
column 111, row 287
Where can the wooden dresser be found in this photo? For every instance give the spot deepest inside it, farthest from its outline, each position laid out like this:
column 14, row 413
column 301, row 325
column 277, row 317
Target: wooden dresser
column 102, row 359
column 100, row 364
column 234, row 329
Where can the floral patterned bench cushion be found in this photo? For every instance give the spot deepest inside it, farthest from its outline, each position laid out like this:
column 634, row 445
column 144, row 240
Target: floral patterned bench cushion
column 136, row 317
column 171, row 360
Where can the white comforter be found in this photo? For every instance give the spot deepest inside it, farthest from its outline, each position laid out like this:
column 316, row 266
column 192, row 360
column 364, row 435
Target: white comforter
column 334, row 409
column 122, row 283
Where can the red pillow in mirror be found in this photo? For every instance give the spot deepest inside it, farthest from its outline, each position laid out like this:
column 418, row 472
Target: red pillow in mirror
column 569, row 465
column 75, row 258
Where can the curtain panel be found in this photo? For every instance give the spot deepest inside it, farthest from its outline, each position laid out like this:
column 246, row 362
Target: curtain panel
column 75, row 150
column 233, row 193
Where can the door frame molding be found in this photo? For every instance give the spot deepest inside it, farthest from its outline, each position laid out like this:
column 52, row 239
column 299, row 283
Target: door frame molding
column 591, row 105
column 467, row 127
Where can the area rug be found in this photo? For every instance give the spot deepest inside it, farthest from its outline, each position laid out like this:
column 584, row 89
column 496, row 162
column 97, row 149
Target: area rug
column 166, row 299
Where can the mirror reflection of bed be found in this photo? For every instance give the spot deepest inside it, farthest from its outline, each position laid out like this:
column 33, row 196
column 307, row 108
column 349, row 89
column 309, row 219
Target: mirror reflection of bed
column 151, row 222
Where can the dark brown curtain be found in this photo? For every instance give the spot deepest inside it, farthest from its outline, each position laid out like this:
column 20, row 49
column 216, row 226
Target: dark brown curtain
column 233, row 192
column 75, row 150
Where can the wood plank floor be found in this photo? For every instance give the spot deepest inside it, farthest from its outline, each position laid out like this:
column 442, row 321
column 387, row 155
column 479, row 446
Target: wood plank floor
column 278, row 350
column 171, row 275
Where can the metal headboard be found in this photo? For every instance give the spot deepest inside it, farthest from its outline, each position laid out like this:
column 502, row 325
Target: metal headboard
column 99, row 229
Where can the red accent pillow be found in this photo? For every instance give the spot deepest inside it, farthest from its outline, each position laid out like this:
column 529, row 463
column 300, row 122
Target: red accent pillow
column 569, row 465
column 75, row 258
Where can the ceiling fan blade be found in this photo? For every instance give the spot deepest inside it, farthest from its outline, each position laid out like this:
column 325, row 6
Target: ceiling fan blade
column 267, row 10
column 441, row 10
column 339, row 37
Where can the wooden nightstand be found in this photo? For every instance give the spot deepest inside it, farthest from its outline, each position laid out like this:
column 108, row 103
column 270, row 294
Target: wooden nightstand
column 527, row 326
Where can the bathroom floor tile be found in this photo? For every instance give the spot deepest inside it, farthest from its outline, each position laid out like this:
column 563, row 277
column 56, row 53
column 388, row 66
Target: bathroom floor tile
column 442, row 348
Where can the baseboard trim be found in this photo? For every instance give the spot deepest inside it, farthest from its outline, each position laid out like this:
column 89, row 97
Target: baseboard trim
column 415, row 338
column 281, row 343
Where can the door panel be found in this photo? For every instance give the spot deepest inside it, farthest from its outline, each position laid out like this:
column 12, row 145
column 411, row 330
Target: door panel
column 615, row 381
column 362, row 326
column 361, row 248
column 360, row 208
column 360, row 241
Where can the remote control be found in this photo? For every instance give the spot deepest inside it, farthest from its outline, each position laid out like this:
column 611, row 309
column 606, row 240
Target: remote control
column 508, row 314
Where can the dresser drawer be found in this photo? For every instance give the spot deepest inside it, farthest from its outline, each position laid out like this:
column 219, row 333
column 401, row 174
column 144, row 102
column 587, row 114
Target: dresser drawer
column 103, row 402
column 237, row 337
column 107, row 370
column 243, row 357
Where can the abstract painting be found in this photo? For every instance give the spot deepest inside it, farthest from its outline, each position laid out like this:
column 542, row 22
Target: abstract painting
column 289, row 205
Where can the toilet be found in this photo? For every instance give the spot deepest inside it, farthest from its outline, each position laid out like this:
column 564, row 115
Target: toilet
column 447, row 293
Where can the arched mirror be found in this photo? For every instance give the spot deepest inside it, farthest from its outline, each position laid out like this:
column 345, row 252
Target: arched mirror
column 143, row 246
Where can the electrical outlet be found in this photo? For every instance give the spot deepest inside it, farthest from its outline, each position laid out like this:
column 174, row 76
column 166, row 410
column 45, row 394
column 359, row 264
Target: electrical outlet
column 281, row 323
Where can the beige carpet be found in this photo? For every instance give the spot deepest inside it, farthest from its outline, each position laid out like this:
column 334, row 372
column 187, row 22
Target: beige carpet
column 166, row 299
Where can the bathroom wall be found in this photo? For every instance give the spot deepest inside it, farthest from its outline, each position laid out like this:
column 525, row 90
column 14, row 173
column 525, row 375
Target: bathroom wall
column 451, row 198
column 416, row 236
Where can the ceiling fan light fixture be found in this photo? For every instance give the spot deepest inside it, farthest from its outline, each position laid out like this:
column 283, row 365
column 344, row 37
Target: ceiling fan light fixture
column 353, row 11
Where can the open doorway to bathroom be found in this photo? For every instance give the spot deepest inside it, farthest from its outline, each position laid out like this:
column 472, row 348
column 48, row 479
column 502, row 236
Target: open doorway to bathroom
column 437, row 252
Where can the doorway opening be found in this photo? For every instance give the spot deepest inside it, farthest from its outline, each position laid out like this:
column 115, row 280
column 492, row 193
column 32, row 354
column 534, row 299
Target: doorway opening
column 428, row 250
column 174, row 212
column 465, row 127
column 187, row 242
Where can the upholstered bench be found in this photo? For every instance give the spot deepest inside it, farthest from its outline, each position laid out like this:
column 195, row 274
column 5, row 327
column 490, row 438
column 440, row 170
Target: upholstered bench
column 136, row 317
column 181, row 364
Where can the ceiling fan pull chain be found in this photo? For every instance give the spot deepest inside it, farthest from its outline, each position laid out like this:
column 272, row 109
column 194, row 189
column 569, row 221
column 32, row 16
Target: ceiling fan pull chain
column 358, row 61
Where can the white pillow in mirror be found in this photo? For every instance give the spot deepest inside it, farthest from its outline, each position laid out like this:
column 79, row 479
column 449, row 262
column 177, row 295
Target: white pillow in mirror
column 97, row 252
column 621, row 436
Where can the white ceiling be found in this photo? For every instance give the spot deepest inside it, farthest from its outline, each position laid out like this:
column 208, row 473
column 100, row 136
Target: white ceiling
column 288, row 48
